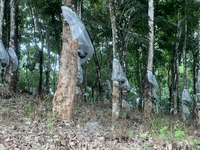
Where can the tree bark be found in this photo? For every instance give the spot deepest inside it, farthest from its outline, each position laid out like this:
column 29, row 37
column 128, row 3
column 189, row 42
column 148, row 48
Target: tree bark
column 40, row 52
column 125, row 46
column 116, row 84
column 148, row 97
column 85, row 95
column 198, row 94
column 48, row 61
column 172, row 85
column 184, row 52
column 108, row 69
column 16, row 73
column 9, row 69
column 99, row 76
column 2, row 2
column 65, row 94
column 178, row 35
column 140, row 85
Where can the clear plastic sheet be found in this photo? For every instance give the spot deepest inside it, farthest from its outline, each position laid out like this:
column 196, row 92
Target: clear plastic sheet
column 109, row 86
column 84, row 44
column 4, row 57
column 125, row 105
column 80, row 72
column 117, row 72
column 126, row 85
column 153, row 81
column 76, row 25
column 185, row 113
column 185, row 95
column 78, row 32
column 195, row 98
column 14, row 57
column 198, row 85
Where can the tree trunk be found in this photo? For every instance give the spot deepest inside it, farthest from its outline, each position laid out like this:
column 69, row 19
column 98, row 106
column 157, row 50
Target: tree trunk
column 178, row 35
column 40, row 52
column 2, row 2
column 108, row 69
column 48, row 61
column 116, row 84
column 148, row 97
column 125, row 45
column 9, row 69
column 140, row 85
column 16, row 74
column 184, row 52
column 85, row 95
column 65, row 94
column 194, row 84
column 198, row 94
column 172, row 85
column 184, row 114
column 99, row 75
column 54, row 76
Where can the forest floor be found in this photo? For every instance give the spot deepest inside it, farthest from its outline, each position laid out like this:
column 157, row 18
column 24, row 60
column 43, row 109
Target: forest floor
column 28, row 123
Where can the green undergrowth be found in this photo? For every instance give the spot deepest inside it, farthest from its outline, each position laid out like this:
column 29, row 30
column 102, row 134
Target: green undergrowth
column 173, row 131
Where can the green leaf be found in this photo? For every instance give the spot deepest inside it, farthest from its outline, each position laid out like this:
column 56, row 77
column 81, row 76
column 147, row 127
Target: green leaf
column 131, row 133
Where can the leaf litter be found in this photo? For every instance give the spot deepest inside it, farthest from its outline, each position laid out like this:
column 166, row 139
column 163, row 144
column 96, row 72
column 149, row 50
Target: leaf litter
column 27, row 122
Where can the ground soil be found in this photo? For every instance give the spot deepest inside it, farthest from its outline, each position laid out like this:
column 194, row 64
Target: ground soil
column 27, row 122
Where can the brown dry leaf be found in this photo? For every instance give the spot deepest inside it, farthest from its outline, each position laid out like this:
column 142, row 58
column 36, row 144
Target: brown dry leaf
column 13, row 146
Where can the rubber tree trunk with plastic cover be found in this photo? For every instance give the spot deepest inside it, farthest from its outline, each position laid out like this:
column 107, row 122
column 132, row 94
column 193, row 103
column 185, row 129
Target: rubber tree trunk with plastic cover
column 184, row 60
column 148, row 96
column 2, row 4
column 64, row 96
column 198, row 92
column 9, row 69
column 116, row 84
column 178, row 36
column 125, row 46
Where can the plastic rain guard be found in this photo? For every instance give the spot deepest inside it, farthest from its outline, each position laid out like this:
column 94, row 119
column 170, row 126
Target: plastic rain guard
column 4, row 57
column 117, row 72
column 185, row 95
column 78, row 32
column 153, row 81
column 126, row 85
column 80, row 72
column 14, row 57
column 109, row 86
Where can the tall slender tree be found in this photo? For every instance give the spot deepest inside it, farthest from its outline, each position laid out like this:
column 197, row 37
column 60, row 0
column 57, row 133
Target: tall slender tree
column 178, row 35
column 63, row 100
column 198, row 94
column 9, row 70
column 2, row 2
column 148, row 97
column 116, row 83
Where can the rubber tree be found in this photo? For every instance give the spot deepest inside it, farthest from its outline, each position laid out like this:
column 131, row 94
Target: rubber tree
column 2, row 2
column 9, row 69
column 148, row 96
column 178, row 35
column 198, row 89
column 116, row 83
column 65, row 94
